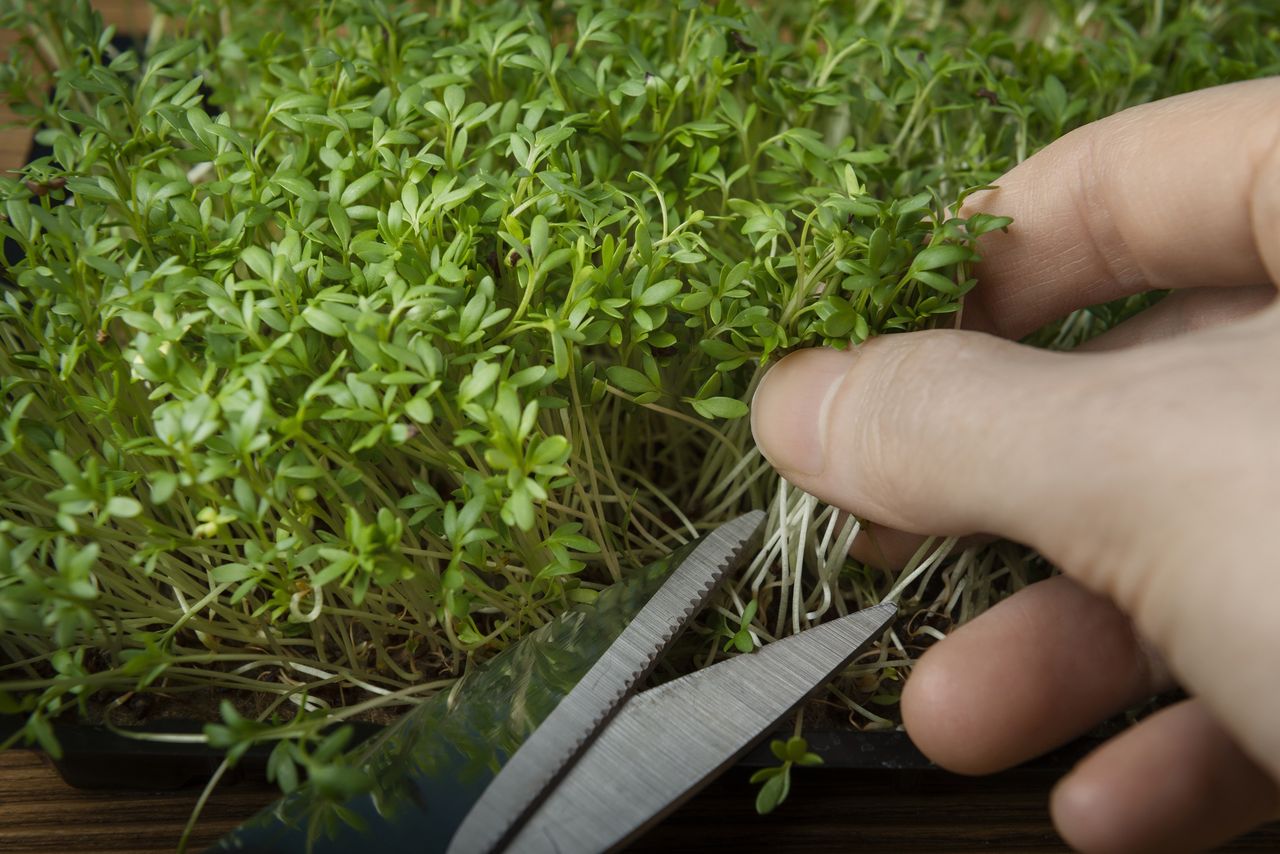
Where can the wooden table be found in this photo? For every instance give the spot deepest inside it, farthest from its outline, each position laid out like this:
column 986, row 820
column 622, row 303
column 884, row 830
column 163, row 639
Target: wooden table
column 829, row 810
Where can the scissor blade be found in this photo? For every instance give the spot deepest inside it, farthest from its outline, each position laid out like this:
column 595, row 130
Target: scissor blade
column 669, row 741
column 553, row 746
column 429, row 768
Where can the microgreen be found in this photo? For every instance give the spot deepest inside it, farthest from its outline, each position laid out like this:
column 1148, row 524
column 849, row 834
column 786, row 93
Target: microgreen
column 342, row 345
column 776, row 779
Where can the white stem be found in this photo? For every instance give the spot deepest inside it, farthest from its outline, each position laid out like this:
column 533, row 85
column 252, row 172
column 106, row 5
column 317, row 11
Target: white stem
column 784, row 575
column 938, row 554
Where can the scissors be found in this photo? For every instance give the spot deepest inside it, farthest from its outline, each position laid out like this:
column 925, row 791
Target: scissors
column 585, row 761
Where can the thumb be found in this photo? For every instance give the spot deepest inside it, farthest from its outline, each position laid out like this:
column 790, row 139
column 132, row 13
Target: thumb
column 937, row 432
column 1125, row 478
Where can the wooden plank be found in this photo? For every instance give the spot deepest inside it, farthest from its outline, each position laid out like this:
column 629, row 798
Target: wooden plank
column 829, row 810
column 40, row 813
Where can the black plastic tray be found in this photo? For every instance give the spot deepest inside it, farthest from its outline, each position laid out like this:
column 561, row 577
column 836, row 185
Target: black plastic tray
column 96, row 757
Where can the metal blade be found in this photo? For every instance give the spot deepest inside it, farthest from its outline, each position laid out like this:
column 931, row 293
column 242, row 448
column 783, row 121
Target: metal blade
column 427, row 770
column 666, row 743
column 534, row 768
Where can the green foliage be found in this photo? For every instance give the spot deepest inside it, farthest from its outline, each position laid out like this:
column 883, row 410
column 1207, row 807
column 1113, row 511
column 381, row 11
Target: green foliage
column 776, row 779
column 740, row 638
column 323, row 763
column 347, row 343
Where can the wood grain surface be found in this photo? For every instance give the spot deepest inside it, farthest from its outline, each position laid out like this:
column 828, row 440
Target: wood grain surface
column 829, row 810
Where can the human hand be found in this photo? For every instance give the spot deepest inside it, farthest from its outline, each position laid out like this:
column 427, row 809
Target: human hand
column 1147, row 469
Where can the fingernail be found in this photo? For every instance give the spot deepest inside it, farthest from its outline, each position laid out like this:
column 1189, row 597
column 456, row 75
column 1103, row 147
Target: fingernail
column 789, row 410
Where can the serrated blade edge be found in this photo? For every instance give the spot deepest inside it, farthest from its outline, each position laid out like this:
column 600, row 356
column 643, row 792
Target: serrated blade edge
column 667, row 742
column 553, row 746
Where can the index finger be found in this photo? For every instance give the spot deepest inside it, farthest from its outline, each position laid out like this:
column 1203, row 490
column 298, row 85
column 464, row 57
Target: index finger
column 1164, row 195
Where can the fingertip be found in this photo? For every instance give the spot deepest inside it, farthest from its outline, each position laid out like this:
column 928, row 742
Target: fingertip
column 1175, row 781
column 1083, row 814
column 938, row 713
column 926, row 695
column 788, row 411
column 1030, row 674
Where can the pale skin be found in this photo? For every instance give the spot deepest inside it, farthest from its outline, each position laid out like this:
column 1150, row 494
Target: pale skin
column 1147, row 468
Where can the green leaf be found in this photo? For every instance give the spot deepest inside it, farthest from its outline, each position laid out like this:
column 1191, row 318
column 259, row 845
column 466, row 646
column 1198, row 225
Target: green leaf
column 105, row 266
column 37, row 729
column 659, row 293
column 538, row 237
column 281, row 768
column 773, row 792
column 941, row 255
column 321, row 321
column 796, row 748
column 298, row 187
column 359, row 187
column 720, row 407
column 229, row 573
column 719, row 350
column 123, row 507
column 878, row 249
column 258, row 260
column 982, row 223
column 419, row 410
column 454, row 98
column 163, row 485
column 629, row 379
column 340, row 222
column 66, row 468
column 937, row 281
column 322, row 57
